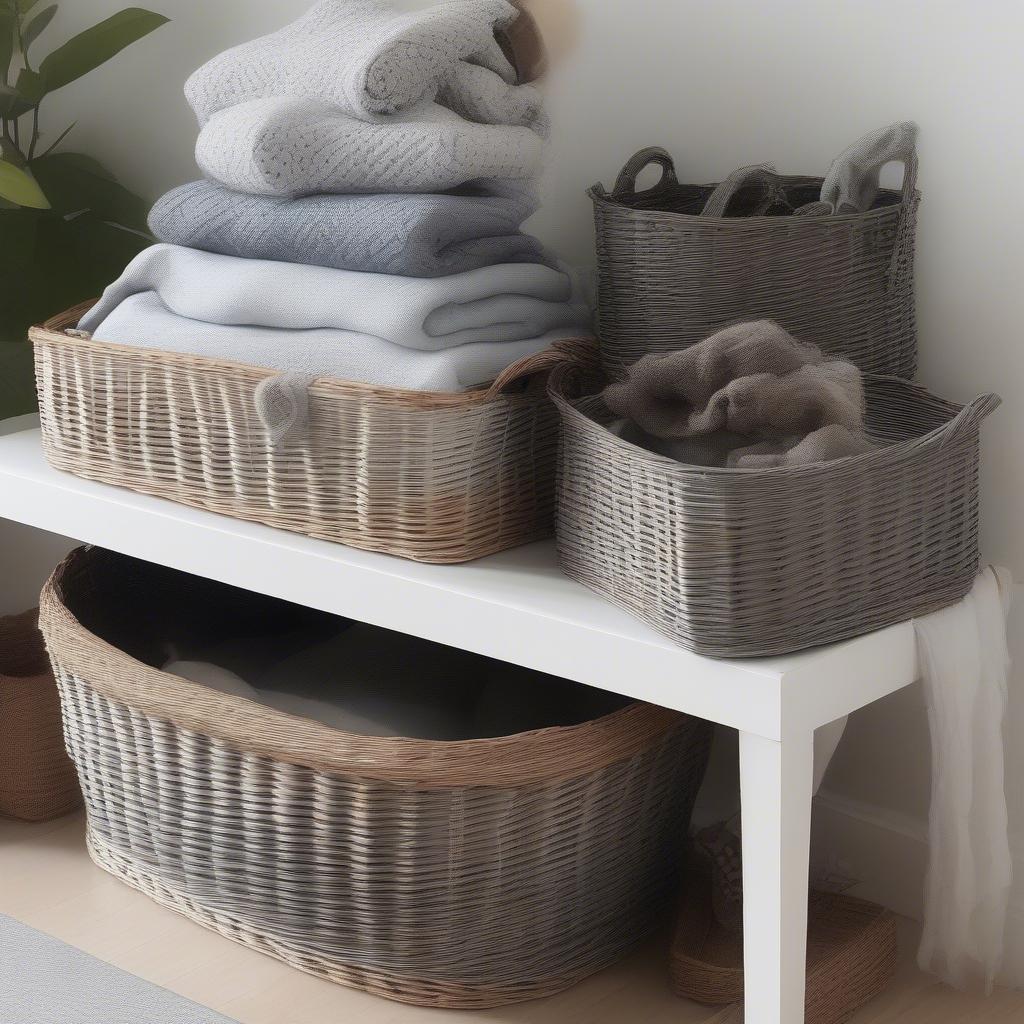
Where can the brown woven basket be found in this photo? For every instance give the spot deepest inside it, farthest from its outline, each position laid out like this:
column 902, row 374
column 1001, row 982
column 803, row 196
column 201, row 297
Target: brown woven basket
column 457, row 874
column 37, row 779
column 428, row 476
column 852, row 953
column 751, row 562
column 670, row 275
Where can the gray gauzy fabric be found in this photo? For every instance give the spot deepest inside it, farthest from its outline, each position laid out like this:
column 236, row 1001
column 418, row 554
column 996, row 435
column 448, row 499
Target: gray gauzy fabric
column 285, row 146
column 749, row 396
column 500, row 303
column 143, row 321
column 851, row 184
column 46, row 981
column 365, row 58
column 408, row 235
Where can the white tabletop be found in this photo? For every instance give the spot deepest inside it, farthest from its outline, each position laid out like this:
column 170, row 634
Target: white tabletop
column 516, row 606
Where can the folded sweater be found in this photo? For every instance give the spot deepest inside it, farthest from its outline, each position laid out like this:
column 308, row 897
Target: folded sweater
column 283, row 146
column 502, row 303
column 365, row 58
column 408, row 235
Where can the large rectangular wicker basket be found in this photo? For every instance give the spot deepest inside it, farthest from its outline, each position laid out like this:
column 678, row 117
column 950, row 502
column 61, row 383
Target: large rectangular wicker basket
column 750, row 562
column 458, row 874
column 430, row 476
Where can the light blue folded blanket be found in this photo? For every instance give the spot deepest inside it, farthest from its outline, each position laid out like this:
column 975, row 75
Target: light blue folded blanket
column 407, row 235
column 143, row 321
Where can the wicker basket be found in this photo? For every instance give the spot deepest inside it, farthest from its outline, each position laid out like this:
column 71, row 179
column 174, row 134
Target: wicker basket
column 670, row 276
column 457, row 874
column 429, row 476
column 746, row 562
column 37, row 780
column 852, row 953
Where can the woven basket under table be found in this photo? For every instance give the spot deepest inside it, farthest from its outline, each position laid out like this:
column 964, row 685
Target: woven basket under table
column 37, row 780
column 456, row 874
column 751, row 562
column 670, row 274
column 430, row 476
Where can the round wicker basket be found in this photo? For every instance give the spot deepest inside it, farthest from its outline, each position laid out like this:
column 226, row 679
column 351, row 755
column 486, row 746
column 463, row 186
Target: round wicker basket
column 748, row 562
column 430, row 476
column 671, row 275
column 37, row 780
column 457, row 874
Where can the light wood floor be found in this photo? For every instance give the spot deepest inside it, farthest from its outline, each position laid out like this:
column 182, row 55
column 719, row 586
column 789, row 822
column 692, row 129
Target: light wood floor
column 48, row 881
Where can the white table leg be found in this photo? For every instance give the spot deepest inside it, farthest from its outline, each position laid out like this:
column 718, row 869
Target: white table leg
column 775, row 785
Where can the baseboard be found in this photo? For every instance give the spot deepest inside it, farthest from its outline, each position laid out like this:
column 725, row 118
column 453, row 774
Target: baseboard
column 885, row 855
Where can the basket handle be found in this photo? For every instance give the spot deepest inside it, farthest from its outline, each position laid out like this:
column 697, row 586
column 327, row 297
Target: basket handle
column 756, row 174
column 968, row 419
column 625, row 183
column 579, row 351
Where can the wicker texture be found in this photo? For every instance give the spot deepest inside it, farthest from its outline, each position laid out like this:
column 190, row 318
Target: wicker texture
column 669, row 277
column 852, row 953
column 467, row 874
column 428, row 476
column 742, row 563
column 37, row 779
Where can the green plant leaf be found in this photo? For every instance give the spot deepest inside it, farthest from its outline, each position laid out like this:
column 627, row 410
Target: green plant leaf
column 31, row 32
column 20, row 187
column 95, row 46
column 7, row 23
column 26, row 5
column 10, row 152
column 74, row 182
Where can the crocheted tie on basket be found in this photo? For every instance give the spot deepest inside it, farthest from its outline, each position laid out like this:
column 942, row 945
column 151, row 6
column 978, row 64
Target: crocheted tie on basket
column 282, row 404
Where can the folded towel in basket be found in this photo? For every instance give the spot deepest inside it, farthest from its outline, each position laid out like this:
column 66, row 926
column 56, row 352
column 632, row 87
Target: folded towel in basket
column 365, row 58
column 502, row 303
column 408, row 235
column 143, row 321
column 283, row 146
column 749, row 396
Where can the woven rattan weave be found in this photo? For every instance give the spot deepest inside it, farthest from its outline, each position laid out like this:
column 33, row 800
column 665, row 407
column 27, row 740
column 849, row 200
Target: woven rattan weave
column 428, row 476
column 851, row 953
column 459, row 874
column 37, row 780
column 669, row 277
column 741, row 562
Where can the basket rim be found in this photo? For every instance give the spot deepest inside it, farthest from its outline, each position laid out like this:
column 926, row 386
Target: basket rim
column 962, row 418
column 540, row 756
column 602, row 198
column 53, row 332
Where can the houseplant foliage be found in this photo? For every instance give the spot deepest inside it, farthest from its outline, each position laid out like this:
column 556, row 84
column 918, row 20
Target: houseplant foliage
column 67, row 227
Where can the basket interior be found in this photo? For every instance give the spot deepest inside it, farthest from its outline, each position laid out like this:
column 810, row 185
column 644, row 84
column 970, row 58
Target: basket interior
column 155, row 614
column 691, row 199
column 896, row 411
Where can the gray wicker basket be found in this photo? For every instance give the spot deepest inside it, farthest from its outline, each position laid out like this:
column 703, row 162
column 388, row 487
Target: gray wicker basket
column 458, row 874
column 745, row 562
column 670, row 275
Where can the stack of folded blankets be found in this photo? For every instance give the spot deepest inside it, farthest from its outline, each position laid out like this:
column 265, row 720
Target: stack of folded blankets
column 367, row 174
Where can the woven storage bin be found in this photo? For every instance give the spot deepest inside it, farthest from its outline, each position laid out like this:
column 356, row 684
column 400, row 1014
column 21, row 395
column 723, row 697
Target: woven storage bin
column 37, row 780
column 750, row 562
column 458, row 874
column 852, row 953
column 669, row 277
column 428, row 476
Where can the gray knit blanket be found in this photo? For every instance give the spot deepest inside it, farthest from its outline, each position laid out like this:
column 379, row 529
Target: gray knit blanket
column 750, row 396
column 364, row 58
column 407, row 235
column 286, row 146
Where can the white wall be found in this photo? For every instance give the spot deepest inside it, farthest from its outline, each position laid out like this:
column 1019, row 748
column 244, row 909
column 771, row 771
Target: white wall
column 722, row 84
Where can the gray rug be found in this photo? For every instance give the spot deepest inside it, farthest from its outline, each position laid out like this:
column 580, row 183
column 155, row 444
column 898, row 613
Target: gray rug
column 46, row 981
